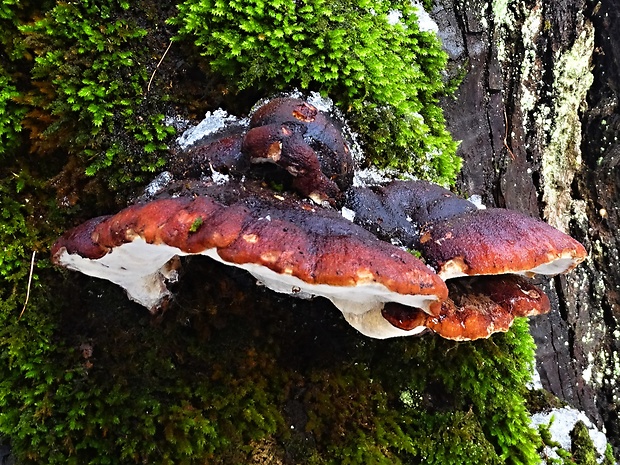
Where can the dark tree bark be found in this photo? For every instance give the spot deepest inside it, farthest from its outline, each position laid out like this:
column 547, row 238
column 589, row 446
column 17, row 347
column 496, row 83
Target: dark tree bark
column 537, row 114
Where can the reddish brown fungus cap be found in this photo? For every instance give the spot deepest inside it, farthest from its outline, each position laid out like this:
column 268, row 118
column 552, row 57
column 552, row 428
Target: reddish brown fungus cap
column 286, row 243
column 496, row 241
column 477, row 308
column 289, row 150
column 286, row 130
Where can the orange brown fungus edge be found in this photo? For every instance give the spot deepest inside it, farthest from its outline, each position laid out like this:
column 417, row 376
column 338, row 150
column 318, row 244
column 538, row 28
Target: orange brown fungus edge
column 479, row 307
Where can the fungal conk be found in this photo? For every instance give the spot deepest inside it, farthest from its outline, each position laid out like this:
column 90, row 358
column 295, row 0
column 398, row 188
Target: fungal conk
column 294, row 240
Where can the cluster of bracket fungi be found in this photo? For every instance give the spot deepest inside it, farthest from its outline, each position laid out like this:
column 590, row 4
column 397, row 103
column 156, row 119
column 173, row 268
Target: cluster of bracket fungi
column 470, row 282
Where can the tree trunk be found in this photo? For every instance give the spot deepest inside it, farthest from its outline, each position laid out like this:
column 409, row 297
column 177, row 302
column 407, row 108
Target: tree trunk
column 537, row 114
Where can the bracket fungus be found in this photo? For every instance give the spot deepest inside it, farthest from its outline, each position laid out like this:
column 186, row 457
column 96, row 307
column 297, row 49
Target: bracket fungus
column 477, row 307
column 479, row 252
column 304, row 248
column 458, row 239
column 289, row 245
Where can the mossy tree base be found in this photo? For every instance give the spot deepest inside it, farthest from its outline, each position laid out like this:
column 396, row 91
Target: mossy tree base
column 229, row 369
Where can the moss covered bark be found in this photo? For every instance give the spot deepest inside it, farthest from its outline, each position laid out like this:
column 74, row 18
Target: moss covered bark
column 229, row 374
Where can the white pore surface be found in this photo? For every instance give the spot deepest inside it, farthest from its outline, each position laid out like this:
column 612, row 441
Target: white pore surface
column 141, row 269
column 137, row 267
column 372, row 324
column 558, row 266
column 564, row 420
column 454, row 268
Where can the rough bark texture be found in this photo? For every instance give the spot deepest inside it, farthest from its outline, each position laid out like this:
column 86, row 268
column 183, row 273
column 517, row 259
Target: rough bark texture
column 537, row 114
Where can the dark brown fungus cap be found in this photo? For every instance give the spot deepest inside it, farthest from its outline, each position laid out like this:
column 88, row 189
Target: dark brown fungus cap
column 478, row 307
column 287, row 149
column 296, row 136
column 290, row 245
column 219, row 152
column 374, row 214
column 495, row 241
column 399, row 209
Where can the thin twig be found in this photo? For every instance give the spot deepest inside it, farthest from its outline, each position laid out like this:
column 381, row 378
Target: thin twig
column 34, row 253
column 148, row 87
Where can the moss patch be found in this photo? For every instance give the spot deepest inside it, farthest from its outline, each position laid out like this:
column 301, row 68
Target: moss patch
column 227, row 369
column 385, row 75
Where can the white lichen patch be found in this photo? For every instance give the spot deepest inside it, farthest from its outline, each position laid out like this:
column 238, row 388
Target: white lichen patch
column 212, row 123
column 502, row 14
column 564, row 420
column 157, row 185
column 477, row 201
column 373, row 176
column 587, row 373
column 503, row 18
column 394, row 17
column 425, row 22
column 561, row 158
column 219, row 178
column 531, row 67
column 347, row 213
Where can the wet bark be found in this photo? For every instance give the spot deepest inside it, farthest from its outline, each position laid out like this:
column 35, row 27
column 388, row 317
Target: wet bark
column 537, row 114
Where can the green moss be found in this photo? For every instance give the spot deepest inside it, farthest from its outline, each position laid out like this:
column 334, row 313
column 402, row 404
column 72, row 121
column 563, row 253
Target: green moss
column 97, row 398
column 486, row 378
column 539, row 400
column 195, row 226
column 385, row 76
column 10, row 114
column 89, row 66
column 582, row 447
column 609, row 458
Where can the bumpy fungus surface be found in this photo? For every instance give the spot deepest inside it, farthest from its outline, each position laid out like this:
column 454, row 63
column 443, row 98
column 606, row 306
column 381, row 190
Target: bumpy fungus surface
column 289, row 245
column 458, row 239
column 288, row 142
column 307, row 249
column 477, row 308
column 498, row 241
column 312, row 147
column 222, row 154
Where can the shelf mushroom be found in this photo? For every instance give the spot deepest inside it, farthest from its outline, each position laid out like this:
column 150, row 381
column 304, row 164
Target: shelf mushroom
column 304, row 249
column 496, row 241
column 289, row 245
column 478, row 252
column 477, row 308
column 456, row 238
